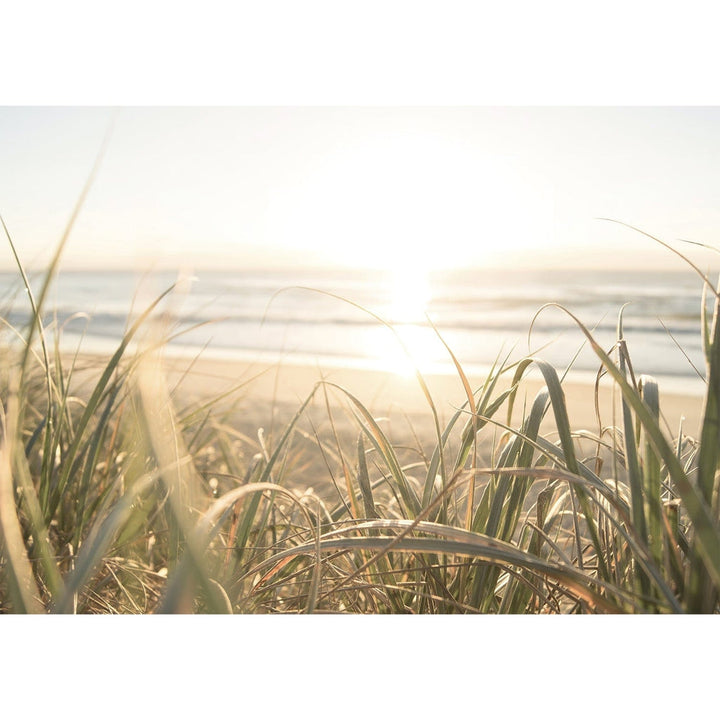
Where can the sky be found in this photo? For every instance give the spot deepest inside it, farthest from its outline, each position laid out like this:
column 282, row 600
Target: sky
column 425, row 187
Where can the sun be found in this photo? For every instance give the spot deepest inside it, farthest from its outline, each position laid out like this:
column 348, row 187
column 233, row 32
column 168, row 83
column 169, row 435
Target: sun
column 409, row 294
column 418, row 201
column 411, row 345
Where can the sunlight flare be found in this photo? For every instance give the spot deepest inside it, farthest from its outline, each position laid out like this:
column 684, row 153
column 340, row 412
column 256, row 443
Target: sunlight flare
column 410, row 295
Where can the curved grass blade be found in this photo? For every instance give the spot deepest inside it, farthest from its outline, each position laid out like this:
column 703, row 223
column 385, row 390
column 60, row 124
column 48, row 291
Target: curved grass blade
column 479, row 548
column 707, row 531
column 408, row 354
column 99, row 540
column 386, row 451
column 191, row 565
column 562, row 424
column 92, row 405
column 699, row 272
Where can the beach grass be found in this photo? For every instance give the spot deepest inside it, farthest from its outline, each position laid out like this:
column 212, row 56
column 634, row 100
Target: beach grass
column 115, row 497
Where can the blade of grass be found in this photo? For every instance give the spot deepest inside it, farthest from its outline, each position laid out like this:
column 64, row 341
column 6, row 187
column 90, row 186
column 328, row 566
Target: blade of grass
column 18, row 571
column 384, row 447
column 479, row 548
column 51, row 501
column 706, row 528
column 408, row 354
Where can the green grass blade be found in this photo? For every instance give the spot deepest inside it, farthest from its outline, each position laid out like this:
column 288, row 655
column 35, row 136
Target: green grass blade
column 562, row 424
column 98, row 542
column 192, row 565
column 386, row 451
column 652, row 479
column 703, row 592
column 707, row 531
column 93, row 403
column 632, row 462
column 364, row 482
column 418, row 374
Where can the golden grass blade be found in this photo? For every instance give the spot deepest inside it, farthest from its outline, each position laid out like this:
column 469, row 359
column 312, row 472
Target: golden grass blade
column 23, row 588
column 473, row 419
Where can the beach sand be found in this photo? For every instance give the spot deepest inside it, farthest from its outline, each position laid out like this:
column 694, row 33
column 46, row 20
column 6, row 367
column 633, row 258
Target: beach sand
column 253, row 403
column 383, row 392
column 268, row 395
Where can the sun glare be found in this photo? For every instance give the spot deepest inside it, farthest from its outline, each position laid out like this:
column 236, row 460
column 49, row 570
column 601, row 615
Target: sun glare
column 410, row 294
column 422, row 347
column 418, row 200
column 408, row 303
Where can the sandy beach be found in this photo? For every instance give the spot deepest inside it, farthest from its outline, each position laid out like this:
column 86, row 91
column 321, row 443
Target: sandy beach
column 254, row 400
column 266, row 391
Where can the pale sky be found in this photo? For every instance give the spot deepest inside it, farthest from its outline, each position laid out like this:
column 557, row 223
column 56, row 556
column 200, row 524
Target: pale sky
column 431, row 188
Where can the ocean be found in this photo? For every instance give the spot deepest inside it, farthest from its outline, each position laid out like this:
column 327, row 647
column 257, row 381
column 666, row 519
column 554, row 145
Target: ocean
column 482, row 315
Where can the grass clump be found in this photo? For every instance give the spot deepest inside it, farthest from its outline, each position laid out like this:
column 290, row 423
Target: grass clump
column 114, row 501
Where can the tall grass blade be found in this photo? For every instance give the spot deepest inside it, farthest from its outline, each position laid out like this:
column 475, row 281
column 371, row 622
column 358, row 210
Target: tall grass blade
column 364, row 482
column 703, row 592
column 24, row 591
column 562, row 424
column 418, row 374
column 386, row 451
column 707, row 532
column 98, row 542
column 52, row 500
column 632, row 462
column 652, row 479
